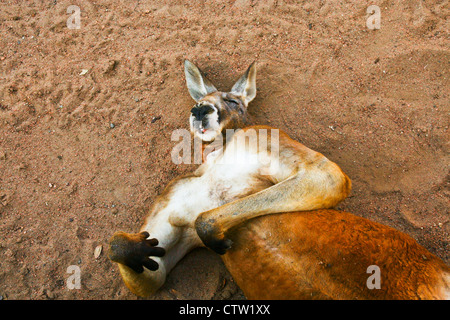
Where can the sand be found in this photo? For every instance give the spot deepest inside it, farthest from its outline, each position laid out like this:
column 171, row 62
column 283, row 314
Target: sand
column 86, row 117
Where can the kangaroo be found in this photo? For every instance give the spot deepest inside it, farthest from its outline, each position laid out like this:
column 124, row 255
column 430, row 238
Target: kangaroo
column 263, row 201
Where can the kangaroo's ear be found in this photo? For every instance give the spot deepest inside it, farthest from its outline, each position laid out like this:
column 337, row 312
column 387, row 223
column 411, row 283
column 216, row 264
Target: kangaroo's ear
column 245, row 87
column 198, row 85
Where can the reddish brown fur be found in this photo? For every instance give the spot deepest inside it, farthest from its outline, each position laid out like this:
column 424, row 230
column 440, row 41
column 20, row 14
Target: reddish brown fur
column 324, row 254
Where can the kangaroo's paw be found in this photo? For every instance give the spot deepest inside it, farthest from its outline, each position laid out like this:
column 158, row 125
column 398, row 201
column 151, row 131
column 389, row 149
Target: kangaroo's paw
column 134, row 250
column 219, row 245
column 211, row 236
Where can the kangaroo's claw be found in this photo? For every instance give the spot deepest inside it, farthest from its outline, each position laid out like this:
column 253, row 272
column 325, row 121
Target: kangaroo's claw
column 134, row 250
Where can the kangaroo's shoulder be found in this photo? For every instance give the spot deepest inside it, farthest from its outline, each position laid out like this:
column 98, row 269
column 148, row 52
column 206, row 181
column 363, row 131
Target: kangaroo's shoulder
column 266, row 129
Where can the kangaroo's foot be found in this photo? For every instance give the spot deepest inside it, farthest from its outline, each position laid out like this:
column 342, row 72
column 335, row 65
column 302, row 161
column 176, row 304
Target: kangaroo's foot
column 134, row 249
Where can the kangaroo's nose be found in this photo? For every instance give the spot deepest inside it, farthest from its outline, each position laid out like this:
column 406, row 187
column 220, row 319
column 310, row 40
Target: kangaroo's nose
column 199, row 112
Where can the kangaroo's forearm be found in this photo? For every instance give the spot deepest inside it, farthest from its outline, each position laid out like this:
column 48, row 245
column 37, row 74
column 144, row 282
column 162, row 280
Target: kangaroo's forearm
column 267, row 201
column 304, row 191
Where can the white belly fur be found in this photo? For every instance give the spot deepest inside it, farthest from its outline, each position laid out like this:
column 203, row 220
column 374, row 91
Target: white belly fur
column 225, row 177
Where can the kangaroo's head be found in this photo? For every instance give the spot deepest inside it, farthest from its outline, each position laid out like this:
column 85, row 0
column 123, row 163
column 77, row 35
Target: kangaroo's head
column 216, row 111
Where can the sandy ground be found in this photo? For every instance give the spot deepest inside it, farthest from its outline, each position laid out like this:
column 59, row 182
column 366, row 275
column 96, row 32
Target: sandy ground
column 83, row 154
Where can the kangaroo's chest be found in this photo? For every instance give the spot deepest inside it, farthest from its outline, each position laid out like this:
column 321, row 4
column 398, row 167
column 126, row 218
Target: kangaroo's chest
column 224, row 177
column 217, row 186
column 234, row 174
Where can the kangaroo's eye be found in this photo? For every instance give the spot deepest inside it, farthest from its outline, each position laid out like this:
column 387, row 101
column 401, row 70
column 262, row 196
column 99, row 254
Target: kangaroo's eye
column 232, row 103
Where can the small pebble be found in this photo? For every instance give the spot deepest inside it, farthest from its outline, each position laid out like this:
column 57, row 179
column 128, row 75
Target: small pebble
column 154, row 119
column 112, row 125
column 98, row 251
